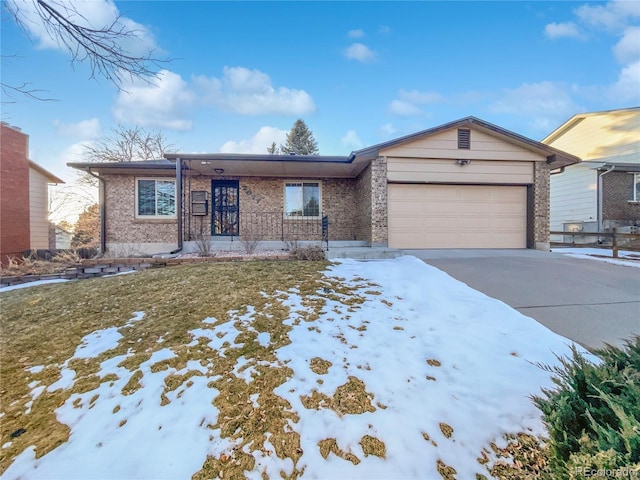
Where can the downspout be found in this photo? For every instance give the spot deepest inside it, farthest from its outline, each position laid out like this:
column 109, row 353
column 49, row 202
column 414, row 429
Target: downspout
column 179, row 203
column 600, row 209
column 103, row 211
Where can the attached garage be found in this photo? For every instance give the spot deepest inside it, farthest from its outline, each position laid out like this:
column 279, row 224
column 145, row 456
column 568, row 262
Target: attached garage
column 457, row 216
column 465, row 184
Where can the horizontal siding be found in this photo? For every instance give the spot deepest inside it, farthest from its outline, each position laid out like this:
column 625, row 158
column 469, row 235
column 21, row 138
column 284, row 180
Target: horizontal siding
column 574, row 196
column 448, row 171
column 603, row 135
column 445, row 145
column 38, row 210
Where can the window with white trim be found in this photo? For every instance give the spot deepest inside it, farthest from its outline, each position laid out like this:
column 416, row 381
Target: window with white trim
column 302, row 199
column 635, row 189
column 155, row 198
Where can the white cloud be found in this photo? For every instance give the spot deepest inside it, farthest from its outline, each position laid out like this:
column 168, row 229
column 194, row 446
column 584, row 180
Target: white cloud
column 250, row 92
column 85, row 129
column 627, row 89
column 357, row 33
column 351, row 140
column 160, row 104
column 547, row 104
column 256, row 144
column 611, row 16
column 387, row 130
column 360, row 52
column 627, row 50
column 619, row 19
column 565, row 29
column 97, row 14
column 404, row 109
column 409, row 102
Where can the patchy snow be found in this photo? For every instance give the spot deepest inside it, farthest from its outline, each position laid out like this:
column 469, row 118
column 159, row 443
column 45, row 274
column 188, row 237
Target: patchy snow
column 626, row 258
column 32, row 284
column 432, row 353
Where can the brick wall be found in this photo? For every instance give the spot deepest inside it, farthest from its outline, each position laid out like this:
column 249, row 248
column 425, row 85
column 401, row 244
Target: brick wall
column 121, row 224
column 541, row 206
column 379, row 218
column 14, row 193
column 616, row 195
column 261, row 210
column 363, row 204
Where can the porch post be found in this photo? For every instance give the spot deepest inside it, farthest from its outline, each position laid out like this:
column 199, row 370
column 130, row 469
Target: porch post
column 179, row 200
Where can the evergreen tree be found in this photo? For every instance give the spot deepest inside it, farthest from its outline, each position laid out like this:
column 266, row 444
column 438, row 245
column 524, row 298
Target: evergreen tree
column 300, row 140
column 273, row 149
column 87, row 228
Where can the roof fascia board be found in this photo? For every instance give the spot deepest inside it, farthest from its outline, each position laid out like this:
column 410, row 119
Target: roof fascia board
column 52, row 178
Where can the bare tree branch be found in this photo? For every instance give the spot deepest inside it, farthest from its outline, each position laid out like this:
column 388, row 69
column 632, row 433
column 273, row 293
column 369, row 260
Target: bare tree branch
column 110, row 50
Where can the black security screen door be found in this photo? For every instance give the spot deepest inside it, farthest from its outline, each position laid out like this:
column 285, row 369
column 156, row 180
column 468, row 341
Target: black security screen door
column 225, row 208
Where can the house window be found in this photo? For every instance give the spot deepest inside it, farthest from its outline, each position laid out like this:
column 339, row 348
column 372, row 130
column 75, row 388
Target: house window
column 302, row 199
column 155, row 198
column 464, row 138
column 635, row 189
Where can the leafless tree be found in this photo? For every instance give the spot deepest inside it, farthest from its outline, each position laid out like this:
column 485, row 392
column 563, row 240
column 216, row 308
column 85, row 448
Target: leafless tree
column 126, row 145
column 112, row 50
column 66, row 201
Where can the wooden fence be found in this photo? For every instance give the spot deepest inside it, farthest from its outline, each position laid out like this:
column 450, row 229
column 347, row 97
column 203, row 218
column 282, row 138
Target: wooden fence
column 614, row 236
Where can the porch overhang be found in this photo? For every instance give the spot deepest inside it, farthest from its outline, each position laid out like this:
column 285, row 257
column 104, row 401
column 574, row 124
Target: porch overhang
column 251, row 165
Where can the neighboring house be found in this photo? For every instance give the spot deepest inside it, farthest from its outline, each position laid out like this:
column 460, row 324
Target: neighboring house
column 23, row 196
column 465, row 184
column 59, row 238
column 602, row 191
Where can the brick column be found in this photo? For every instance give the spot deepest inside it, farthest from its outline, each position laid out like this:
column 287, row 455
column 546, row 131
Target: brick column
column 541, row 189
column 379, row 224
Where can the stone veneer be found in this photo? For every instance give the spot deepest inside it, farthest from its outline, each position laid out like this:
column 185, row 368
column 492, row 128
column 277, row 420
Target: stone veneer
column 541, row 212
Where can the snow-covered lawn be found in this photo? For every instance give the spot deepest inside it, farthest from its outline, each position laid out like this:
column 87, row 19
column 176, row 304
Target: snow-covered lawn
column 387, row 369
column 625, row 257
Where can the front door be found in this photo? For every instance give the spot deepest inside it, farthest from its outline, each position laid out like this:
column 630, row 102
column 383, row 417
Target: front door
column 226, row 207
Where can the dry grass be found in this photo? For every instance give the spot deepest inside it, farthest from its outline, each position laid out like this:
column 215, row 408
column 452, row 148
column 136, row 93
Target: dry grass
column 35, row 266
column 43, row 326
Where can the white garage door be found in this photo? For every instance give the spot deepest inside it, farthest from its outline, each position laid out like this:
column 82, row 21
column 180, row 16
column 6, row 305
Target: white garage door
column 457, row 216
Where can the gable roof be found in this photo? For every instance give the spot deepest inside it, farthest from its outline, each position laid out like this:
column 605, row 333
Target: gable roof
column 317, row 165
column 554, row 156
column 578, row 118
column 50, row 176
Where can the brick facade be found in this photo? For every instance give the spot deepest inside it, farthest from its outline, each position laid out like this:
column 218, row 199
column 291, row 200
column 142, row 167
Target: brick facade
column 14, row 193
column 618, row 209
column 379, row 215
column 541, row 208
column 127, row 234
column 261, row 213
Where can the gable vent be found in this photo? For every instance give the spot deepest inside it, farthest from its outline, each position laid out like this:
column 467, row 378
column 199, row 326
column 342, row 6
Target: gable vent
column 464, row 138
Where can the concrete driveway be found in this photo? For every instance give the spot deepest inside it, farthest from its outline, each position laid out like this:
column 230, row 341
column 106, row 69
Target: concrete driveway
column 587, row 301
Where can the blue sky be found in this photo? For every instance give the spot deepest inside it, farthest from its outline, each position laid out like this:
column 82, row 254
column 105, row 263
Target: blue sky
column 358, row 73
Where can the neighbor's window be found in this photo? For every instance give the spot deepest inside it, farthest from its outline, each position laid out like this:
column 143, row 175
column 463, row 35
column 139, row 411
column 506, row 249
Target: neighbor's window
column 155, row 198
column 302, row 199
column 635, row 192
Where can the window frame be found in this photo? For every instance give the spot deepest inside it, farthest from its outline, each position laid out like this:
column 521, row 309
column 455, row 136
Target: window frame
column 635, row 181
column 301, row 217
column 155, row 216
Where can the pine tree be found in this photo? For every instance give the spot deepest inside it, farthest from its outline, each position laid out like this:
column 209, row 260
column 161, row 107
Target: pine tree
column 273, row 149
column 300, row 140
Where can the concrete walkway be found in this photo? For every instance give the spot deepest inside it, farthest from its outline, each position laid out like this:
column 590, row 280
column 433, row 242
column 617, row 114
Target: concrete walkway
column 587, row 301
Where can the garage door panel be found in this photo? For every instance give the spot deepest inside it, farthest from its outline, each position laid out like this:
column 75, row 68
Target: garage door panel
column 457, row 216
